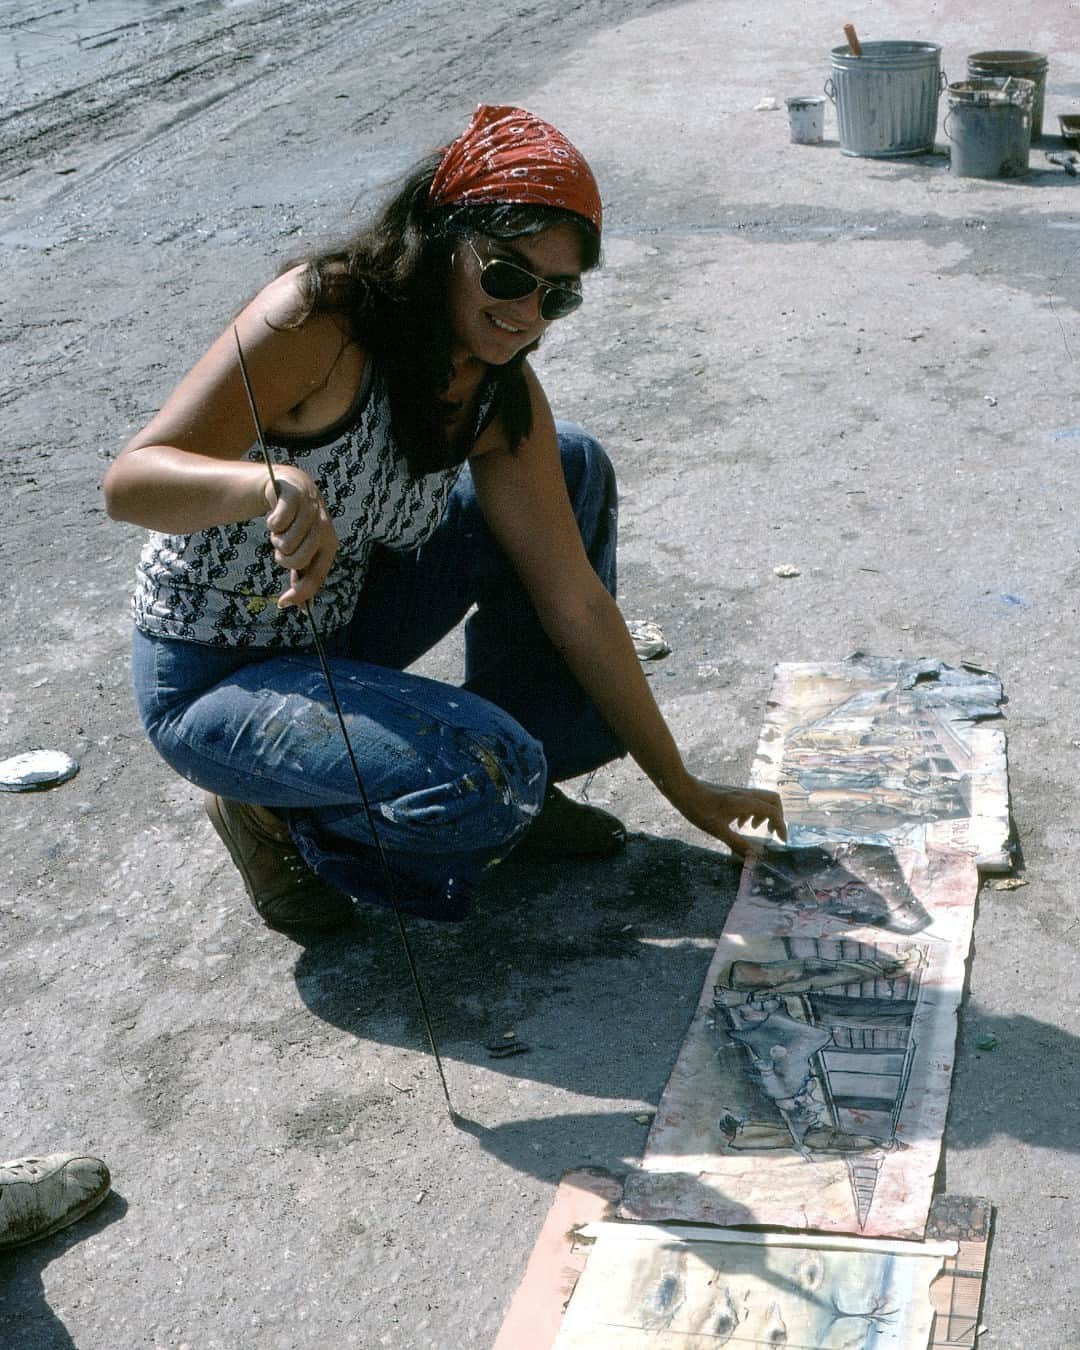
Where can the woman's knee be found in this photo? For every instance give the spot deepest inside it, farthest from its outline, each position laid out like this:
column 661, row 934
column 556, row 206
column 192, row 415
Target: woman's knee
column 586, row 463
column 510, row 769
column 477, row 796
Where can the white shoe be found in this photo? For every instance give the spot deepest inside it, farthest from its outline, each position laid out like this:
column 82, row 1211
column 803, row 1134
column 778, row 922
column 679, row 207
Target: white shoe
column 39, row 1196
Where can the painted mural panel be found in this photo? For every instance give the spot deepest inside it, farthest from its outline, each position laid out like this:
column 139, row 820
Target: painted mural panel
column 889, row 752
column 647, row 1287
column 812, row 1088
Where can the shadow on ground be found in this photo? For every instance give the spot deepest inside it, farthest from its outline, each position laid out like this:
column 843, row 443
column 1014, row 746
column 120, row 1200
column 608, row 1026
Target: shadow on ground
column 598, row 969
column 26, row 1320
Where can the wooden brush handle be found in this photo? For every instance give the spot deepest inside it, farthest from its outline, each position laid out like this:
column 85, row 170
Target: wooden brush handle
column 853, row 39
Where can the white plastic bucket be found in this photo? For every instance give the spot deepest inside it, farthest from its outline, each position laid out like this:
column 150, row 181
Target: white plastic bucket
column 806, row 117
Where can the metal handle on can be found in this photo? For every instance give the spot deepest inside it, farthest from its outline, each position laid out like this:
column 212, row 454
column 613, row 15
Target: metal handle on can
column 943, row 80
column 830, row 89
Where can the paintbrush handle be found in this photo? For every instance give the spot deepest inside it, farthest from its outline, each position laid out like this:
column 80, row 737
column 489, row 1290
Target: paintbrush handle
column 853, row 39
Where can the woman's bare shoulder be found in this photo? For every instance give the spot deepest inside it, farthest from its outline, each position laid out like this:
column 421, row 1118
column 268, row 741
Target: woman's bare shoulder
column 284, row 306
column 312, row 350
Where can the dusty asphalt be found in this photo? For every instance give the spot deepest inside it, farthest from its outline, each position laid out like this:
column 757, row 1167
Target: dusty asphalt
column 866, row 369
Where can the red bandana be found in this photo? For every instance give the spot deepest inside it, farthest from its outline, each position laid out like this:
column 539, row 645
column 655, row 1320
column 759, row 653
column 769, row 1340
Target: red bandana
column 510, row 155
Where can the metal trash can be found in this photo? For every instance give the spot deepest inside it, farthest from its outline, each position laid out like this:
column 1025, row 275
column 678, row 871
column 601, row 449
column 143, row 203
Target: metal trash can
column 887, row 98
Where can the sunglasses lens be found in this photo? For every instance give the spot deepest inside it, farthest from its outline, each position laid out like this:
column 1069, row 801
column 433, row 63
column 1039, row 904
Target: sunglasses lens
column 557, row 304
column 503, row 281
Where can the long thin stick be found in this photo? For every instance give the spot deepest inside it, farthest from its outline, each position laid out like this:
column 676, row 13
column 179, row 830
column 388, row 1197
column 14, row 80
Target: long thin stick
column 391, row 883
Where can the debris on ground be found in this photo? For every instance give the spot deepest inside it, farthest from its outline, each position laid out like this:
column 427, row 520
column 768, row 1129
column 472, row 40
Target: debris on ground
column 507, row 1045
column 648, row 638
column 1069, row 162
column 36, row 769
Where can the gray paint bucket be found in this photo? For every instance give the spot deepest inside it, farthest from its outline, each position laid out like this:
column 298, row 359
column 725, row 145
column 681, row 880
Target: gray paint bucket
column 887, row 98
column 1025, row 65
column 988, row 124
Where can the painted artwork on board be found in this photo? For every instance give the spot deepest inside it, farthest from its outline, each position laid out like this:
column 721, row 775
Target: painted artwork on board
column 825, row 1029
column 647, row 1287
column 812, row 1087
column 808, row 1291
column 860, row 885
column 889, row 752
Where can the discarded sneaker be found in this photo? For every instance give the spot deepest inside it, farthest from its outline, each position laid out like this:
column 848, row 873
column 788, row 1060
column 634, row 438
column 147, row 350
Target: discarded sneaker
column 283, row 889
column 569, row 829
column 39, row 1196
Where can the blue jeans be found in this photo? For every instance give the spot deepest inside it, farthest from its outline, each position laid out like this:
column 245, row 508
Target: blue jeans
column 454, row 775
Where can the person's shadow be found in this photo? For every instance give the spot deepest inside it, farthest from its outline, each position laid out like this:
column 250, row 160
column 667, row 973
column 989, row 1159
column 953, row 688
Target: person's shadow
column 599, row 967
column 26, row 1320
column 1015, row 1076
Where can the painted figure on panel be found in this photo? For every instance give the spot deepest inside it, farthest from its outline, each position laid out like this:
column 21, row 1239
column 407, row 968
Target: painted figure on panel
column 859, row 883
column 826, row 1033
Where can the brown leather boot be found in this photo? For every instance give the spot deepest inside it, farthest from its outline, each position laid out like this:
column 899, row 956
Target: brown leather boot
column 283, row 889
column 569, row 829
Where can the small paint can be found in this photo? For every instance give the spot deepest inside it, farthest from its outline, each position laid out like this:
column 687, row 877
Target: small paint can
column 806, row 117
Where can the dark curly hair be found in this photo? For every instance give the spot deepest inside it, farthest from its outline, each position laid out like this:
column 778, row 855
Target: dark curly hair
column 390, row 281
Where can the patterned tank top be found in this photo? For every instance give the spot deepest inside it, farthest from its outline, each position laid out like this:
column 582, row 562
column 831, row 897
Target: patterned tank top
column 219, row 586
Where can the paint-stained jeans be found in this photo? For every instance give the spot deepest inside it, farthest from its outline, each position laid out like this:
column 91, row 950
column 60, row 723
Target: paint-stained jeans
column 454, row 775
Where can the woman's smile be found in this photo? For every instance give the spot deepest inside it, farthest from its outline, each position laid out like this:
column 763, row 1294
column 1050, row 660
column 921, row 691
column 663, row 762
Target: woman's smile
column 503, row 326
column 494, row 331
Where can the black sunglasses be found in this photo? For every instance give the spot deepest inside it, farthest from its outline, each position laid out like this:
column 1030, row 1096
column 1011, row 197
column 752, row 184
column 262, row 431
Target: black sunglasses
column 504, row 280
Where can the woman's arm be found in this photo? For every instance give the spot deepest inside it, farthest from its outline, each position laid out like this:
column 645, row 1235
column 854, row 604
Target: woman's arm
column 524, row 500
column 186, row 471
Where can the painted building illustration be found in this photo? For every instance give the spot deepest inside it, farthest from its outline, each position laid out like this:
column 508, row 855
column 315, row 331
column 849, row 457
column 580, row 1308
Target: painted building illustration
column 870, row 765
column 823, row 1036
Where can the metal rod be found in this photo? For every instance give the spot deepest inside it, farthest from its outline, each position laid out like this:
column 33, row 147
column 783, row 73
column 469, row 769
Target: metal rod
column 388, row 875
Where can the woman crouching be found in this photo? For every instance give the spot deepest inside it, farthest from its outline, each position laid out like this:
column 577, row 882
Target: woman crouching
column 418, row 475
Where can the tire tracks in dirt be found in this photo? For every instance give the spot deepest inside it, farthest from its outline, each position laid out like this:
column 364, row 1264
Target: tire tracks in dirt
column 234, row 63
column 161, row 92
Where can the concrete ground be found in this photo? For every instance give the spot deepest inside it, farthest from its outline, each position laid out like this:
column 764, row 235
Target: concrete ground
column 859, row 367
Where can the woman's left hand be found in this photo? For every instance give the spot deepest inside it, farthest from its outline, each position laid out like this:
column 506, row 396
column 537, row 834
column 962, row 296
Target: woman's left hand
column 717, row 810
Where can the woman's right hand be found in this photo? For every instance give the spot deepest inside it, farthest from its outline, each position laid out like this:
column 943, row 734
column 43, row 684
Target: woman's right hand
column 301, row 532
